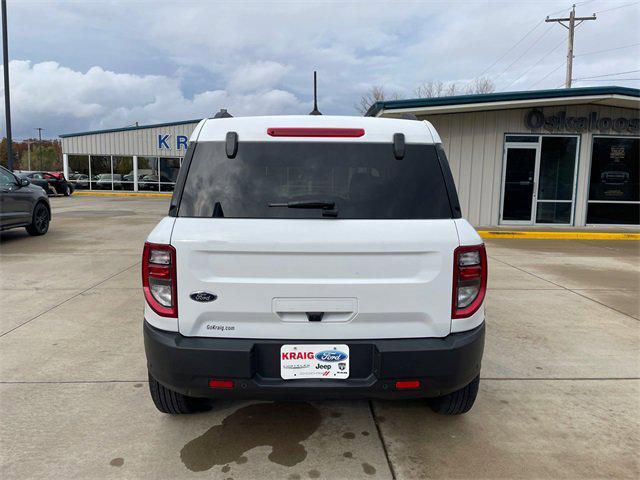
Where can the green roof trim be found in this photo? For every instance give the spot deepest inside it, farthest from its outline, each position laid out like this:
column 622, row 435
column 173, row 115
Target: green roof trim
column 127, row 129
column 499, row 97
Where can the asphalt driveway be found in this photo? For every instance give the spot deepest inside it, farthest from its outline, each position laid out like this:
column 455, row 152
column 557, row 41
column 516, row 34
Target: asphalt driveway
column 559, row 396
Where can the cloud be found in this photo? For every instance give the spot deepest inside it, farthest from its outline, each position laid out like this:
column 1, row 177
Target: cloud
column 257, row 76
column 61, row 99
column 108, row 64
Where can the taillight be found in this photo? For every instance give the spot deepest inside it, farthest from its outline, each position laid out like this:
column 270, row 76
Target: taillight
column 469, row 280
column 407, row 384
column 159, row 278
column 315, row 132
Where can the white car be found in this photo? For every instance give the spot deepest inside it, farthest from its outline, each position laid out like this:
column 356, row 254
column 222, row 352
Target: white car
column 314, row 257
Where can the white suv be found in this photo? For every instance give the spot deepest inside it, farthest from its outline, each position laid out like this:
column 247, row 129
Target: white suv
column 314, row 257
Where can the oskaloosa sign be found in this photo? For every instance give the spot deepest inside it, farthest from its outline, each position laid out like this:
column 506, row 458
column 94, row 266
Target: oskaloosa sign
column 559, row 122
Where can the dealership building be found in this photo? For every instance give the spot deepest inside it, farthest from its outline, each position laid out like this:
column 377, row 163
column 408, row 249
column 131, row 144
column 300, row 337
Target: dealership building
column 567, row 157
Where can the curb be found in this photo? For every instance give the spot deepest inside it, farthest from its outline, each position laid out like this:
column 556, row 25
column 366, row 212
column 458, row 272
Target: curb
column 559, row 235
column 121, row 194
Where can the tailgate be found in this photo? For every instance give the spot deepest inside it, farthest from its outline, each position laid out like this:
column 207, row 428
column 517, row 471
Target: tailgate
column 314, row 279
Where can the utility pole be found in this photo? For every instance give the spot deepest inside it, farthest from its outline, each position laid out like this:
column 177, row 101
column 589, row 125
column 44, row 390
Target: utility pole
column 7, row 100
column 571, row 27
column 39, row 129
column 29, row 154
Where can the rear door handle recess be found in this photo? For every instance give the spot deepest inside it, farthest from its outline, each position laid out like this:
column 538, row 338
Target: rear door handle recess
column 323, row 310
column 315, row 316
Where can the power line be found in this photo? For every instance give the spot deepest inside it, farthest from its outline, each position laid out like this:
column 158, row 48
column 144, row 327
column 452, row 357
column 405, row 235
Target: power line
column 537, row 63
column 607, row 50
column 618, row 7
column 523, row 53
column 551, row 72
column 510, row 49
column 607, row 75
column 610, row 80
column 579, row 4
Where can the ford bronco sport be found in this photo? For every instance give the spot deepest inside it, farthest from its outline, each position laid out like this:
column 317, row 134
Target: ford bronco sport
column 314, row 257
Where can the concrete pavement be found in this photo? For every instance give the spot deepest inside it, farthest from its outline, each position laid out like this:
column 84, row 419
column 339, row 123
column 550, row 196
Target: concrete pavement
column 559, row 397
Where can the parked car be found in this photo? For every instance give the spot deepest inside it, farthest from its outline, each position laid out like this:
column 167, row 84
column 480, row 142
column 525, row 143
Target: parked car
column 107, row 181
column 79, row 180
column 52, row 183
column 151, row 182
column 23, row 204
column 314, row 257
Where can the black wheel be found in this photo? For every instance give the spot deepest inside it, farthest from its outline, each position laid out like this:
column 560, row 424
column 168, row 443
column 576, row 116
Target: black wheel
column 41, row 219
column 168, row 401
column 67, row 191
column 457, row 402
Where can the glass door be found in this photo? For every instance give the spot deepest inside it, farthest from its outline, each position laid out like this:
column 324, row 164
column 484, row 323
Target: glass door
column 518, row 189
column 556, row 180
column 539, row 176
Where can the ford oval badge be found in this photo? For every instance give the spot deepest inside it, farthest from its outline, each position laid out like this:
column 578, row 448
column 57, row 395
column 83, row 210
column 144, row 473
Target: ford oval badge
column 331, row 356
column 203, row 296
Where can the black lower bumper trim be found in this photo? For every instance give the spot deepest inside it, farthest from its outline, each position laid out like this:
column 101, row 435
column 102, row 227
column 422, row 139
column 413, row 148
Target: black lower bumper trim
column 186, row 364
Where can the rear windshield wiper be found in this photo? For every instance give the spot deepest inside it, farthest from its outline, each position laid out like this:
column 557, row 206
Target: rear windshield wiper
column 328, row 208
column 309, row 205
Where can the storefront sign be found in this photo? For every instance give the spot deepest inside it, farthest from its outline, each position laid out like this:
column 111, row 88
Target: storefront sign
column 535, row 119
column 164, row 142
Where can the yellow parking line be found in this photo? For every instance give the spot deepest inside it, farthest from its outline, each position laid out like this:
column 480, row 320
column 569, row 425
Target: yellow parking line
column 121, row 194
column 559, row 235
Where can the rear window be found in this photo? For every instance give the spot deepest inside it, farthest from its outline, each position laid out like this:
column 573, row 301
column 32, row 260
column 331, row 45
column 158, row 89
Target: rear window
column 361, row 180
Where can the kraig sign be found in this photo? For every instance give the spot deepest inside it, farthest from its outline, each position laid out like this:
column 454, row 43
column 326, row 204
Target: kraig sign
column 165, row 142
column 560, row 122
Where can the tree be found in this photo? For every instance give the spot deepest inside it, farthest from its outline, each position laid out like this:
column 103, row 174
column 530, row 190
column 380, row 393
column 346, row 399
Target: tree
column 437, row 88
column 375, row 94
column 45, row 155
column 481, row 85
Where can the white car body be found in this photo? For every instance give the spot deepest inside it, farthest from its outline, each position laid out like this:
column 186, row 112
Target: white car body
column 383, row 288
column 372, row 280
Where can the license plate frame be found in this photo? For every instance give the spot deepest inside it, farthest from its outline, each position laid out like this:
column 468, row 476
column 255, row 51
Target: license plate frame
column 314, row 361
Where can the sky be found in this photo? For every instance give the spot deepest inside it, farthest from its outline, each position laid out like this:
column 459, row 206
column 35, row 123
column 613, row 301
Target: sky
column 85, row 65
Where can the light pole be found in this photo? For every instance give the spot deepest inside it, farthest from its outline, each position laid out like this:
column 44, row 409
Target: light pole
column 7, row 101
column 39, row 129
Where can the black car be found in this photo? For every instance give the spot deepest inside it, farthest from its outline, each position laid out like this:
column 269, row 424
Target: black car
column 23, row 204
column 53, row 183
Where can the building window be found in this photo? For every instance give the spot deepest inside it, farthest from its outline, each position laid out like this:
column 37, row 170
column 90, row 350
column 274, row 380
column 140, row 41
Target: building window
column 101, row 172
column 123, row 173
column 79, row 171
column 148, row 174
column 169, row 168
column 614, row 193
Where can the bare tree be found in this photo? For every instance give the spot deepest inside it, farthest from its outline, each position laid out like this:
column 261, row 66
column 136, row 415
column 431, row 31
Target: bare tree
column 375, row 94
column 430, row 89
column 436, row 88
column 481, row 85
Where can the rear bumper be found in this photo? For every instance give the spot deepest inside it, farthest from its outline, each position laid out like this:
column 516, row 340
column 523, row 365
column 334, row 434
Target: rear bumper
column 186, row 364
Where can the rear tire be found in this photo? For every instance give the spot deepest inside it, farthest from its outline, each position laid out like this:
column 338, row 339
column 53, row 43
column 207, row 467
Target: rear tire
column 40, row 222
column 168, row 401
column 458, row 402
